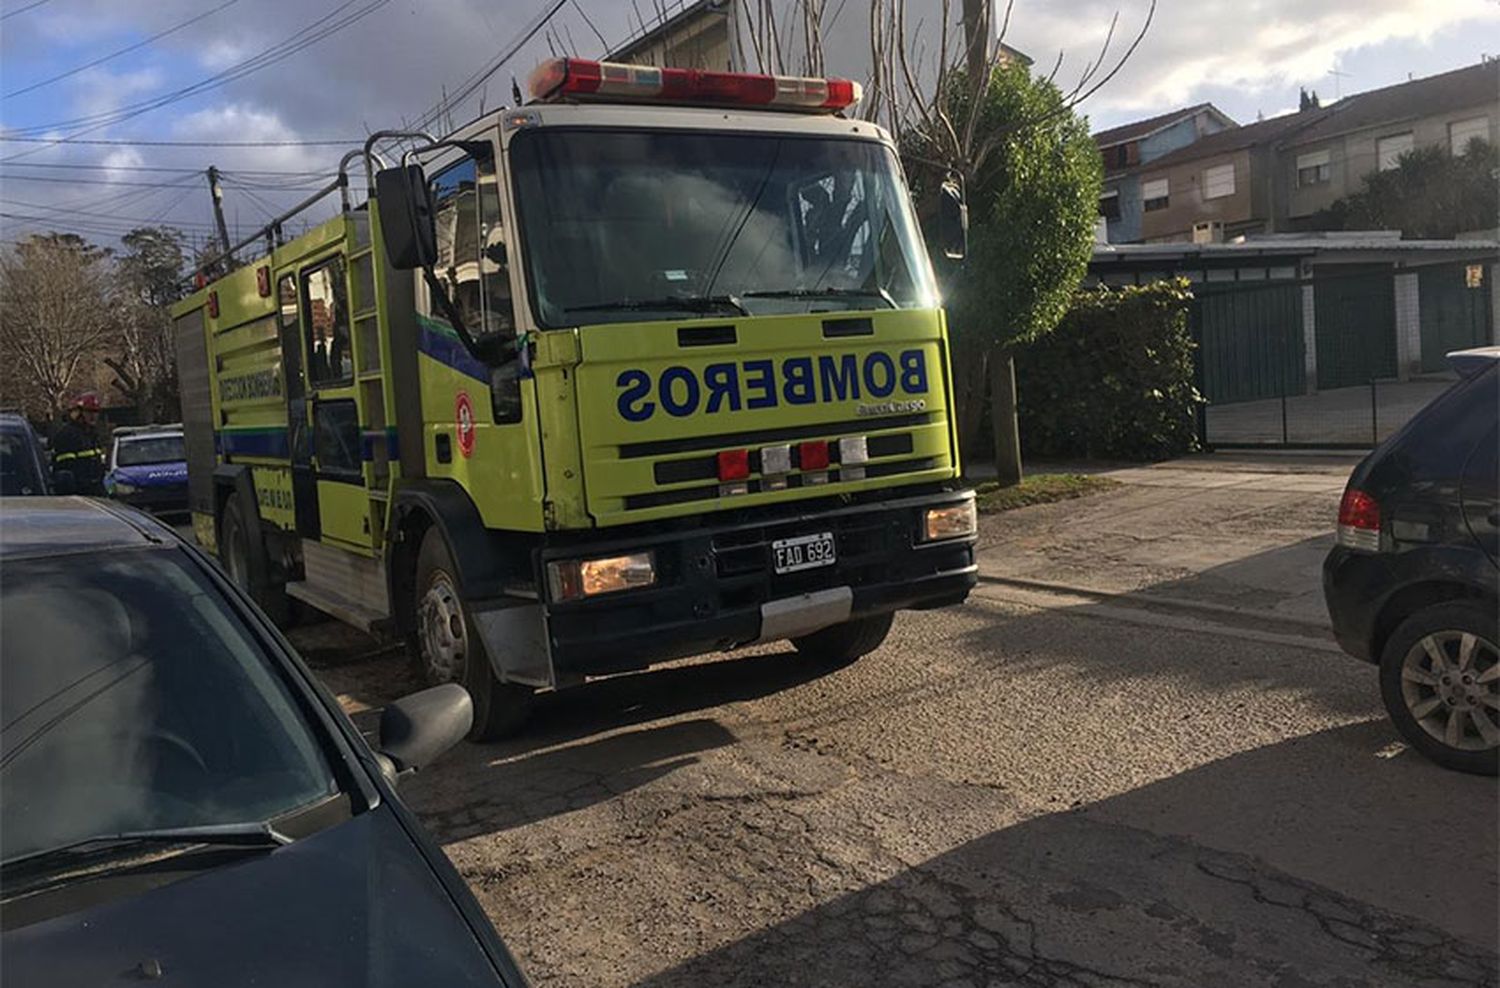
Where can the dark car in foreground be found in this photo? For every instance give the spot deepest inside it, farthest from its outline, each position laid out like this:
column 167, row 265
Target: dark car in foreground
column 148, row 468
column 23, row 467
column 1413, row 583
column 181, row 802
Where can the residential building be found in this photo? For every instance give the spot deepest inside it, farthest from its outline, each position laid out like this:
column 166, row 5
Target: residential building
column 689, row 35
column 1273, row 176
column 1322, row 163
column 759, row 36
column 1127, row 147
column 1221, row 186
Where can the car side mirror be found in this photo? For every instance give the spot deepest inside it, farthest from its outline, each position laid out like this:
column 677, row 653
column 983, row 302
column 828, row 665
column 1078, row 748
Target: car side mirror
column 953, row 222
column 416, row 729
column 406, row 223
column 63, row 482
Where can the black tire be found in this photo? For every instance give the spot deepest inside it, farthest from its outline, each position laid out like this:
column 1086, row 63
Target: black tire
column 448, row 652
column 1426, row 700
column 246, row 569
column 844, row 643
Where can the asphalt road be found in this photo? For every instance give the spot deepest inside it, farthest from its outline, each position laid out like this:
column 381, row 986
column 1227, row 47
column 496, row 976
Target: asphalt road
column 1031, row 789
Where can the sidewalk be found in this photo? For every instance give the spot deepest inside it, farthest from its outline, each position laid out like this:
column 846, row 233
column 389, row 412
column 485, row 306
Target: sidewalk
column 1233, row 535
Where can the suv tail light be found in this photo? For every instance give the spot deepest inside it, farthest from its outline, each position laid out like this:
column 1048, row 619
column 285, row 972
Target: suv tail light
column 1359, row 521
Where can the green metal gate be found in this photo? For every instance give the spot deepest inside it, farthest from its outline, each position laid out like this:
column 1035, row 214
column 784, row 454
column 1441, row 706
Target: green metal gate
column 1355, row 321
column 1456, row 311
column 1250, row 339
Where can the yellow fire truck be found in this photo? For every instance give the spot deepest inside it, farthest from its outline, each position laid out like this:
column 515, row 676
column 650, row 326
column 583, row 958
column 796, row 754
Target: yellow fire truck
column 651, row 366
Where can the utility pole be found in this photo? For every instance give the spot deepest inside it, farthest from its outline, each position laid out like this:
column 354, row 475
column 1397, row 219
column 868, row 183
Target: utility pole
column 217, row 191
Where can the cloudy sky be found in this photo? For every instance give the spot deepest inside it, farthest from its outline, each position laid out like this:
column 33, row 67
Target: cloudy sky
column 274, row 74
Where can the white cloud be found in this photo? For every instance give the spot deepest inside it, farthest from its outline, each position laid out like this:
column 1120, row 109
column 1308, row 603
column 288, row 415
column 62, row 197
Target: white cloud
column 1252, row 46
column 100, row 91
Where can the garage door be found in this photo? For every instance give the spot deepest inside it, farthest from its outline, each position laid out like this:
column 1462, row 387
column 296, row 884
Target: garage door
column 1355, row 327
column 1455, row 311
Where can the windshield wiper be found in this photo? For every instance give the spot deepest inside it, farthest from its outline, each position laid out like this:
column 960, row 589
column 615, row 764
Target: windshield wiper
column 246, row 835
column 879, row 293
column 684, row 303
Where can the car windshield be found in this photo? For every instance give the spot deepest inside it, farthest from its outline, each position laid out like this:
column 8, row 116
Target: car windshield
column 18, row 466
column 152, row 449
column 132, row 699
column 620, row 226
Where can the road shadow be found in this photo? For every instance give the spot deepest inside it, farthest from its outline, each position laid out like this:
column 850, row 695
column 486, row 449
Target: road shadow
column 473, row 792
column 1023, row 640
column 585, row 744
column 1289, row 865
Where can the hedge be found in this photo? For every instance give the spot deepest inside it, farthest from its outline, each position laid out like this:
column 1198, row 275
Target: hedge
column 1114, row 380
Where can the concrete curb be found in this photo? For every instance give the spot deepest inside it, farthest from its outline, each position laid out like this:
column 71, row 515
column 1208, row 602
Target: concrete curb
column 1260, row 620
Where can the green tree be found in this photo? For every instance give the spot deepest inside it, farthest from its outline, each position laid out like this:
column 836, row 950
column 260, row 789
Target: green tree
column 149, row 277
column 1033, row 203
column 1430, row 194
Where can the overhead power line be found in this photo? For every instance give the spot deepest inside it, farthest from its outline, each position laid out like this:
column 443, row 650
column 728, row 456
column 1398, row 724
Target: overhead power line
column 326, row 25
column 121, row 51
column 21, row 10
column 126, row 142
column 73, row 166
column 482, row 75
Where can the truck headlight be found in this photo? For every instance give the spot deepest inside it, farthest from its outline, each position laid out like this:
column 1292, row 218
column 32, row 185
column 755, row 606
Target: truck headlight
column 120, row 487
column 951, row 521
column 571, row 579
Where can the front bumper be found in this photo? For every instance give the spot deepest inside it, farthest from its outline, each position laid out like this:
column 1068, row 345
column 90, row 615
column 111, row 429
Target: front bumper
column 713, row 581
column 161, row 500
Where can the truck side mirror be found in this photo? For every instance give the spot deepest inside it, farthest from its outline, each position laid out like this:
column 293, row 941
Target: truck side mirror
column 406, row 223
column 953, row 222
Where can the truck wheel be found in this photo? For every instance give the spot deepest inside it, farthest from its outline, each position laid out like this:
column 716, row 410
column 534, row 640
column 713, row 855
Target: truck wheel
column 447, row 648
column 843, row 643
column 1440, row 679
column 239, row 563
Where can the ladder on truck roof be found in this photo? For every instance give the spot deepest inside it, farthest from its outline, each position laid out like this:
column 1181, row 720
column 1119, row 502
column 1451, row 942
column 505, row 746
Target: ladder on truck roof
column 273, row 233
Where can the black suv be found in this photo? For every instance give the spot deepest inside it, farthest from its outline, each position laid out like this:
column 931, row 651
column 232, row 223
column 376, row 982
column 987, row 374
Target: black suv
column 1413, row 583
column 23, row 468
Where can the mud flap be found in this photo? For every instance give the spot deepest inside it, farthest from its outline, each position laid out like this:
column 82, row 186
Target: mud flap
column 515, row 638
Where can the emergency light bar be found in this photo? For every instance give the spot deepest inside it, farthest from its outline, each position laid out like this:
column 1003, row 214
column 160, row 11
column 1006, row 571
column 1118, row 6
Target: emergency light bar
column 579, row 78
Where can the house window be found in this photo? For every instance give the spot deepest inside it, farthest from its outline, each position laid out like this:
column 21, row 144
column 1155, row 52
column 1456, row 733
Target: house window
column 1461, row 132
column 1313, row 168
column 1154, row 194
column 1388, row 150
column 1218, row 181
column 1109, row 205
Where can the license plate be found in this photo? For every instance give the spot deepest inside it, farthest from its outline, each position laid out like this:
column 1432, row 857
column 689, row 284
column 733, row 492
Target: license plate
column 803, row 552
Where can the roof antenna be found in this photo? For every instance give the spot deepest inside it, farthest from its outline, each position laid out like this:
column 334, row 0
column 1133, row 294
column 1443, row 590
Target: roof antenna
column 515, row 90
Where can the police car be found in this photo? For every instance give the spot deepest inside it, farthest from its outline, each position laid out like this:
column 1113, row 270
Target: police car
column 148, row 468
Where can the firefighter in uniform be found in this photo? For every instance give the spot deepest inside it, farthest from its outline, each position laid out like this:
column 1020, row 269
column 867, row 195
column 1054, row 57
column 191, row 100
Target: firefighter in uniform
column 76, row 447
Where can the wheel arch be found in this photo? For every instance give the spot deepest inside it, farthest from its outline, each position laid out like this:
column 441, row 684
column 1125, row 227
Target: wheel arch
column 487, row 561
column 1412, row 598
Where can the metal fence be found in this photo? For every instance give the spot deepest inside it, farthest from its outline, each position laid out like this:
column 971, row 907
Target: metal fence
column 1333, row 361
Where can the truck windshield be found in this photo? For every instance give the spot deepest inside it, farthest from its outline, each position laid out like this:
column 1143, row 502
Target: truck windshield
column 622, row 226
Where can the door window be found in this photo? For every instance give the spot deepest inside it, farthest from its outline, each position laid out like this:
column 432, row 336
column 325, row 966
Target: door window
column 325, row 312
column 472, row 261
column 336, row 437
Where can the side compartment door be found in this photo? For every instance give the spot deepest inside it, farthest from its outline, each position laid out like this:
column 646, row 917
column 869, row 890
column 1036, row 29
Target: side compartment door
column 333, row 414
